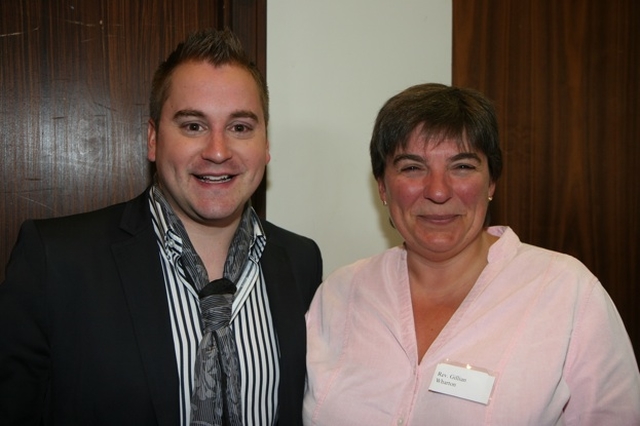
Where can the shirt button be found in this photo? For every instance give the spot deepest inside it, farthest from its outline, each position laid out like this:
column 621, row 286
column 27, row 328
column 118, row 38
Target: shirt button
column 400, row 422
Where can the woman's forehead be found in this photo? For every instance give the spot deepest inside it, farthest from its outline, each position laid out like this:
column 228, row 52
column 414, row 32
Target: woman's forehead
column 420, row 139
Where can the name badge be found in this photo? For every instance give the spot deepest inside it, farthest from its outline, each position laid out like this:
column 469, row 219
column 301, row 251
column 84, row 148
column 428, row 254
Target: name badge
column 462, row 381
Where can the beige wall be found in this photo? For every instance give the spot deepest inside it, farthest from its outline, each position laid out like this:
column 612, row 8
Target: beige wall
column 330, row 66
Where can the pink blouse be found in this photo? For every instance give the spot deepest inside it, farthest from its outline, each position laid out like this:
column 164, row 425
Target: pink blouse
column 538, row 321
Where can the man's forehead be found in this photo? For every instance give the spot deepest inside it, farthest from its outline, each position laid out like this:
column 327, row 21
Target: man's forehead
column 233, row 87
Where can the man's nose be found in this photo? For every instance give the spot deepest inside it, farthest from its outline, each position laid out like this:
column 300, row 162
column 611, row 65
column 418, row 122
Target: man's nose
column 216, row 148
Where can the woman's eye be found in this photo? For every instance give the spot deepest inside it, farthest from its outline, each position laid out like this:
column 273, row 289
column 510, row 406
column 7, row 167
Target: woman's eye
column 465, row 167
column 410, row 168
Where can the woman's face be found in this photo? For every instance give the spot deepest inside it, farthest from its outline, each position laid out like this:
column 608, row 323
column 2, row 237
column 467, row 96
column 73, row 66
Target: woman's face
column 437, row 195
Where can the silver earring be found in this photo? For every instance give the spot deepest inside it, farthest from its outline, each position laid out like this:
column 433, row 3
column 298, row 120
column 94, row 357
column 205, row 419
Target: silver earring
column 384, row 202
column 490, row 198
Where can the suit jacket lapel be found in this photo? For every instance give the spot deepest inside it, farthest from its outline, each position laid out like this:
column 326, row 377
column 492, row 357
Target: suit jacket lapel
column 286, row 306
column 283, row 299
column 142, row 281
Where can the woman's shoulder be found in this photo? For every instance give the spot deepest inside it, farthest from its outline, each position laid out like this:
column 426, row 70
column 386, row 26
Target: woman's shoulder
column 370, row 270
column 529, row 264
column 509, row 246
column 370, row 264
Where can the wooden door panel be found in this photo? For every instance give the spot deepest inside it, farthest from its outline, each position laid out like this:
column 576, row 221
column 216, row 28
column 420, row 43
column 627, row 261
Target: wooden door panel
column 564, row 76
column 74, row 87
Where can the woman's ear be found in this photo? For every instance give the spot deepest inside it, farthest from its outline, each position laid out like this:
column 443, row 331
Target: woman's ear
column 382, row 190
column 492, row 189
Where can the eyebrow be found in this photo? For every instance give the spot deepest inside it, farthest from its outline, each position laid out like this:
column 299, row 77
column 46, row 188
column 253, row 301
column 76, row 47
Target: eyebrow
column 186, row 113
column 461, row 156
column 408, row 157
column 466, row 156
column 245, row 114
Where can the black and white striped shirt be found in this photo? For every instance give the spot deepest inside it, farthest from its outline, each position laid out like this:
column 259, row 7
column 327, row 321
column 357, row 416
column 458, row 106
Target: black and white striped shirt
column 250, row 320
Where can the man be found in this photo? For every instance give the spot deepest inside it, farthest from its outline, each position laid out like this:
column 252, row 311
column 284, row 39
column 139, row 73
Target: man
column 180, row 306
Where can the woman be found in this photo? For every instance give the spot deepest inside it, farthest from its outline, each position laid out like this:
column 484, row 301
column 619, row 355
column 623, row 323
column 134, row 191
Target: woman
column 463, row 324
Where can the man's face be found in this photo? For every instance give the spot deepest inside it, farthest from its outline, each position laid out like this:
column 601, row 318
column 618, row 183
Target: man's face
column 210, row 145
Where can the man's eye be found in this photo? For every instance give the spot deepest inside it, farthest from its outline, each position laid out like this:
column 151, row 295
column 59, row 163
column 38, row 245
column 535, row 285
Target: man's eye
column 192, row 127
column 239, row 128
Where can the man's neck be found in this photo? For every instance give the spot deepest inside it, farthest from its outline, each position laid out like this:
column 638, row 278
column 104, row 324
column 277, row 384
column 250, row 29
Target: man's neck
column 212, row 244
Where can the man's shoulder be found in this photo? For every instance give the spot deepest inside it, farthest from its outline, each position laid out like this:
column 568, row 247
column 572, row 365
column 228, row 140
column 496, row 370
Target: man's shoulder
column 283, row 237
column 289, row 251
column 302, row 251
column 95, row 221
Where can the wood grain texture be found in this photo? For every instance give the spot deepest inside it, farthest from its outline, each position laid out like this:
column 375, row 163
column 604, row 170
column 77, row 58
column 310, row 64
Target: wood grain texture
column 565, row 79
column 74, row 86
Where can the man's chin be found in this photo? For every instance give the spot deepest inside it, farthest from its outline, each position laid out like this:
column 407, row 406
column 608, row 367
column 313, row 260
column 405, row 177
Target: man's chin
column 220, row 216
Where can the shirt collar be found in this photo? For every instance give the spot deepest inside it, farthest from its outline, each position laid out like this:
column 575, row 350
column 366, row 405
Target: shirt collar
column 171, row 229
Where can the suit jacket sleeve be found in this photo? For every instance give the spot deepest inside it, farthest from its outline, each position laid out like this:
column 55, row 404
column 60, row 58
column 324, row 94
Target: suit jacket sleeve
column 24, row 347
column 85, row 335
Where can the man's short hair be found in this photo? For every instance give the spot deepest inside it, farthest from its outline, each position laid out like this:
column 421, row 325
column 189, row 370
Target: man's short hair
column 212, row 46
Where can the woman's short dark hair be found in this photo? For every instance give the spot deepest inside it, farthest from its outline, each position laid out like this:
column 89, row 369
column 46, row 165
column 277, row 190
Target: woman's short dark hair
column 212, row 46
column 443, row 112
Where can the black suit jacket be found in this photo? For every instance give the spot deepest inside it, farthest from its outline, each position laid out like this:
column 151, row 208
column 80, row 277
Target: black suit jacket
column 85, row 334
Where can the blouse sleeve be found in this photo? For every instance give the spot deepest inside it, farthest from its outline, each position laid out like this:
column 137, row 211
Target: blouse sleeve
column 326, row 333
column 601, row 369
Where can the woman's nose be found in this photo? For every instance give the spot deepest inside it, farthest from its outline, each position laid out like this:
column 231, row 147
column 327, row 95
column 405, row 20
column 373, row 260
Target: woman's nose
column 437, row 187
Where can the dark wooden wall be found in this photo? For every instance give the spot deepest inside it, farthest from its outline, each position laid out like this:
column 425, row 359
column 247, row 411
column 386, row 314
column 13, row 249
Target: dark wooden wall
column 74, row 86
column 565, row 76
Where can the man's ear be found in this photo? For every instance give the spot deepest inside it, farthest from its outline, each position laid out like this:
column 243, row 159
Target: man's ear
column 152, row 137
column 268, row 152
